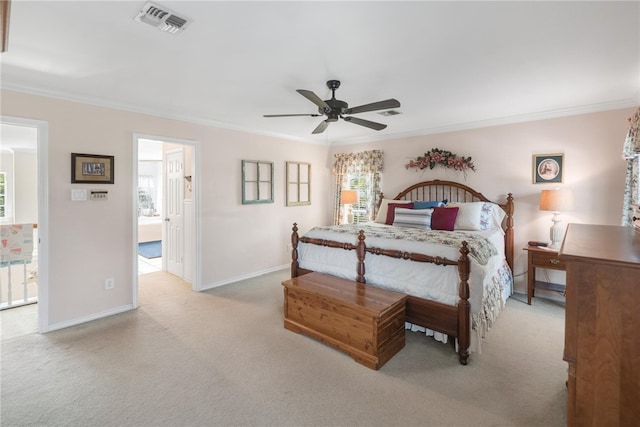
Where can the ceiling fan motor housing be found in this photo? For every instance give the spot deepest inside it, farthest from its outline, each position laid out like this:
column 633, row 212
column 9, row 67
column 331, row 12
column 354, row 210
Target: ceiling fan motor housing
column 337, row 109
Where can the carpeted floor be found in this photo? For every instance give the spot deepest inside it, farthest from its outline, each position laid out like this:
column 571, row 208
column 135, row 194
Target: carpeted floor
column 223, row 358
column 150, row 249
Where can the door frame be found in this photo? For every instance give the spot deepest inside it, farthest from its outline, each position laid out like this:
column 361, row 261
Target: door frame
column 195, row 241
column 43, row 213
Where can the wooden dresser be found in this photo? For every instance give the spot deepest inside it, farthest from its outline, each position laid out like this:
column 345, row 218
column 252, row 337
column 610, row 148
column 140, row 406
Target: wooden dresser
column 602, row 326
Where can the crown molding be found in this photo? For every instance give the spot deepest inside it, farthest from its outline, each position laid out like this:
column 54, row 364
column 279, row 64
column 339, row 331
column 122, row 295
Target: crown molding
column 454, row 127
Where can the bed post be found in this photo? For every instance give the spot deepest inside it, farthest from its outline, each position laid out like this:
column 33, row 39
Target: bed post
column 361, row 250
column 508, row 237
column 464, row 307
column 294, row 250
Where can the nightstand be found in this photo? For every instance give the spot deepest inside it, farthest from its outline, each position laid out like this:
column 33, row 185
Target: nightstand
column 542, row 258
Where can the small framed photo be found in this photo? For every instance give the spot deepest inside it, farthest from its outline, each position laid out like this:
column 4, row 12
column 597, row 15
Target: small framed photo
column 548, row 168
column 92, row 169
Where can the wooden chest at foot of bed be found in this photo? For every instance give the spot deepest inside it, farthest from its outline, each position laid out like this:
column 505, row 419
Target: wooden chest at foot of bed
column 363, row 321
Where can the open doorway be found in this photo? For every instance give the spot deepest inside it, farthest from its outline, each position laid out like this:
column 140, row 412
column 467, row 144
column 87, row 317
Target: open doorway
column 165, row 224
column 24, row 220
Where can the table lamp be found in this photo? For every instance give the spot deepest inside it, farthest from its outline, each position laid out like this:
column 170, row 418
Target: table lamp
column 347, row 198
column 556, row 201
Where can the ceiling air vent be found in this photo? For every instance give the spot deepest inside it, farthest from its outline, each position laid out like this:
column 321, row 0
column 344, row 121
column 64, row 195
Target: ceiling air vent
column 162, row 18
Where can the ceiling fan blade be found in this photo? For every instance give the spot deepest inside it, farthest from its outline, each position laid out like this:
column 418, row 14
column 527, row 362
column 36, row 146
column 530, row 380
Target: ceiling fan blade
column 290, row 115
column 380, row 105
column 321, row 127
column 365, row 123
column 314, row 98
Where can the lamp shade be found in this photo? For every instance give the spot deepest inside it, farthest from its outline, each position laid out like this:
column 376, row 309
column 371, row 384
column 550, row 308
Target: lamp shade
column 557, row 200
column 348, row 197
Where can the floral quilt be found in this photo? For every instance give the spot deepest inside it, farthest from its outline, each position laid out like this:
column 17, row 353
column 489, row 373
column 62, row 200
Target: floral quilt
column 480, row 249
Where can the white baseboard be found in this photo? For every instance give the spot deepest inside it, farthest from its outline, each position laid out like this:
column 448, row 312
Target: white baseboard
column 244, row 277
column 95, row 316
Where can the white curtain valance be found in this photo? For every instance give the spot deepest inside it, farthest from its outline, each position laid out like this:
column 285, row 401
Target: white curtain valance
column 363, row 162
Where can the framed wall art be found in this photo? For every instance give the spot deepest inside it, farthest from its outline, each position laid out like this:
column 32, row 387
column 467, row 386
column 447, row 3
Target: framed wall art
column 298, row 183
column 257, row 182
column 92, row 169
column 548, row 168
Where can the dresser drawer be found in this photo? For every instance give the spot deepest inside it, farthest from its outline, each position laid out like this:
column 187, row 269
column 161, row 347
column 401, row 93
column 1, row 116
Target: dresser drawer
column 547, row 260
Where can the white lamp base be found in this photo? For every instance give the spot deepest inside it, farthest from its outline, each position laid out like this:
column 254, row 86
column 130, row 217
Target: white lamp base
column 556, row 232
column 347, row 217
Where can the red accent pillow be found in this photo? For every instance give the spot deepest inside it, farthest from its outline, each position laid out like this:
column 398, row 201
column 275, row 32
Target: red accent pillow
column 391, row 211
column 444, row 218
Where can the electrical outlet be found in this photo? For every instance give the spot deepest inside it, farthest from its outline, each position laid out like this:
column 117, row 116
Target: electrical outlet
column 289, row 248
column 109, row 283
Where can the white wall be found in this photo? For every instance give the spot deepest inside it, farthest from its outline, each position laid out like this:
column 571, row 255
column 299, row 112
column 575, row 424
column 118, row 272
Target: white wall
column 591, row 143
column 90, row 241
column 26, row 186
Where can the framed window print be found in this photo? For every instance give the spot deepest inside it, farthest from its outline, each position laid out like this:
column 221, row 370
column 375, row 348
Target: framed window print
column 298, row 183
column 548, row 168
column 257, row 182
column 92, row 169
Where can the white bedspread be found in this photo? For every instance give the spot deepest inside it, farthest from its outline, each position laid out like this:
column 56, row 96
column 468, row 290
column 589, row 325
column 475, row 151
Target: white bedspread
column 490, row 281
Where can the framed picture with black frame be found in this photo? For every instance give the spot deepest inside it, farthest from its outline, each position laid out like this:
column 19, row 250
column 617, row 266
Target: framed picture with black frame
column 548, row 168
column 92, row 169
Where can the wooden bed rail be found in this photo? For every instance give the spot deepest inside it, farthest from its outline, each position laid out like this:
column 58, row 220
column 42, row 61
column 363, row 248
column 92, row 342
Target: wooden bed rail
column 462, row 332
column 359, row 247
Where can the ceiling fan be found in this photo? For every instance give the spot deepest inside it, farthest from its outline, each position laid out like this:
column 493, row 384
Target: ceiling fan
column 334, row 109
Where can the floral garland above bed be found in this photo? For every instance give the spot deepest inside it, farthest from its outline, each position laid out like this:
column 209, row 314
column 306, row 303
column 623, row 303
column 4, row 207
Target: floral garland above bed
column 444, row 158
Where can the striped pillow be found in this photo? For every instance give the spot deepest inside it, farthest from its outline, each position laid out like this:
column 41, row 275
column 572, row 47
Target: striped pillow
column 415, row 218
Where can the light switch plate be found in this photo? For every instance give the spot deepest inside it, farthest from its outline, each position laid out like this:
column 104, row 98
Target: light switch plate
column 78, row 194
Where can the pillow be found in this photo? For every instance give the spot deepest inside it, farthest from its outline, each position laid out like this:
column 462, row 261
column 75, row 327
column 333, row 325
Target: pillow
column 415, row 218
column 444, row 218
column 391, row 210
column 479, row 216
column 381, row 217
column 427, row 205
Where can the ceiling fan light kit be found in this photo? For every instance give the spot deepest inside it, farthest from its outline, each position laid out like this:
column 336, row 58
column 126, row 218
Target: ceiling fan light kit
column 335, row 109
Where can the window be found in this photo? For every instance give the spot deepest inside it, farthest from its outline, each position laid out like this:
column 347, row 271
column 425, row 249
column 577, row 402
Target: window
column 3, row 194
column 149, row 187
column 362, row 172
column 363, row 209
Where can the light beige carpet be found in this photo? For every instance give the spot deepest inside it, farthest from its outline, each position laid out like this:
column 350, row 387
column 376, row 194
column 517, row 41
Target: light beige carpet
column 223, row 358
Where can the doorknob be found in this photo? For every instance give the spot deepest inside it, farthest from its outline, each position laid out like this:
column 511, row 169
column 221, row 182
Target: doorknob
column 167, row 219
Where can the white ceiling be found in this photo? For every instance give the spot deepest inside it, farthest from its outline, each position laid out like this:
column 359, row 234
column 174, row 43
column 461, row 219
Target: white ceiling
column 452, row 65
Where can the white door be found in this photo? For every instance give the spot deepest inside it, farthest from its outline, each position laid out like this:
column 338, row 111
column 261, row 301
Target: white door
column 174, row 218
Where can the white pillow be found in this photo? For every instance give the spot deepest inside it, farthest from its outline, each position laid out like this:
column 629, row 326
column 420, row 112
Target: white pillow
column 382, row 212
column 478, row 216
column 415, row 218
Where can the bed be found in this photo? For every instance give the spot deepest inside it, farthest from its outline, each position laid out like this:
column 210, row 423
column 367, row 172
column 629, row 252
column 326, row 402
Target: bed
column 457, row 278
